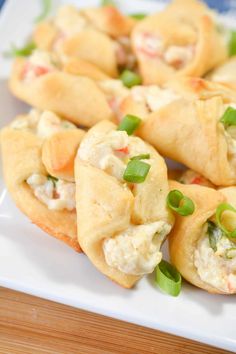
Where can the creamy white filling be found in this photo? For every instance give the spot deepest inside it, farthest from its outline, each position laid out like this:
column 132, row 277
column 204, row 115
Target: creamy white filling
column 39, row 63
column 137, row 250
column 56, row 194
column 213, row 267
column 69, row 20
column 43, row 124
column 178, row 56
column 153, row 96
column 124, row 54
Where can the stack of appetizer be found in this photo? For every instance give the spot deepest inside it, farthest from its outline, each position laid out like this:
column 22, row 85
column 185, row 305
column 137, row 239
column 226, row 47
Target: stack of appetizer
column 112, row 95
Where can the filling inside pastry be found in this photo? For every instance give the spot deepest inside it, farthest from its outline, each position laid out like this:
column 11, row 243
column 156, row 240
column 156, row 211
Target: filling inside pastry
column 124, row 54
column 215, row 258
column 153, row 96
column 192, row 177
column 230, row 131
column 174, row 55
column 39, row 63
column 43, row 124
column 55, row 193
column 115, row 92
column 137, row 249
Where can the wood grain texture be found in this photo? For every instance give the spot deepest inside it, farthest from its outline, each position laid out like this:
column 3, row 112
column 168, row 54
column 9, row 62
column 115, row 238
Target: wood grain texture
column 29, row 325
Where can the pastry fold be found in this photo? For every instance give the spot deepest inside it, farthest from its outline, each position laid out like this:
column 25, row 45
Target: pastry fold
column 107, row 207
column 67, row 95
column 225, row 73
column 190, row 132
column 187, row 237
column 22, row 157
column 180, row 41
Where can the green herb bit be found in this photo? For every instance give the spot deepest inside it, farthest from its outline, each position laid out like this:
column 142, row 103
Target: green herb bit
column 129, row 124
column 232, row 44
column 138, row 16
column 46, row 8
column 21, row 52
column 141, row 157
column 229, row 117
column 54, row 180
column 180, row 203
column 136, row 171
column 168, row 278
column 214, row 235
column 219, row 212
column 130, row 78
column 108, row 3
column 230, row 253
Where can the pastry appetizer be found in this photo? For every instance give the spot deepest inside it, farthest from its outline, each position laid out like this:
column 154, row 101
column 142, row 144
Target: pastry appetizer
column 47, row 197
column 75, row 33
column 189, row 177
column 225, row 73
column 180, row 41
column 39, row 81
column 198, row 133
column 202, row 245
column 121, row 189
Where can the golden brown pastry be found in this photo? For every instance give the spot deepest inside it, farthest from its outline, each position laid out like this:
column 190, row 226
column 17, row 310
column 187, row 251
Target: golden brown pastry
column 189, row 130
column 199, row 249
column 121, row 225
column 74, row 33
column 39, row 82
column 225, row 73
column 80, row 67
column 180, row 41
column 49, row 202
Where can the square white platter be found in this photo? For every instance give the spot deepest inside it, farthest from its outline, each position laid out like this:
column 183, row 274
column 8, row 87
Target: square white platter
column 35, row 263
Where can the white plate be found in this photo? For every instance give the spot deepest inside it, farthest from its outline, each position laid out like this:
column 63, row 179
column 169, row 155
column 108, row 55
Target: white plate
column 35, row 263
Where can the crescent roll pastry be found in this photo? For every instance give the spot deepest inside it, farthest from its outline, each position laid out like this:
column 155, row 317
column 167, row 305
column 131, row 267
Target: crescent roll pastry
column 180, row 41
column 199, row 249
column 189, row 177
column 74, row 33
column 49, row 202
column 192, row 132
column 121, row 225
column 38, row 81
column 225, row 73
column 80, row 67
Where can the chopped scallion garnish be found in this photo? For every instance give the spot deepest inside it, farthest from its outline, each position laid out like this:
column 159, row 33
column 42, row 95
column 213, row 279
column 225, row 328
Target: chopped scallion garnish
column 219, row 212
column 229, row 117
column 138, row 16
column 108, row 3
column 129, row 124
column 54, row 180
column 21, row 52
column 141, row 157
column 232, row 44
column 180, row 203
column 136, row 171
column 46, row 8
column 214, row 234
column 130, row 78
column 168, row 278
column 230, row 253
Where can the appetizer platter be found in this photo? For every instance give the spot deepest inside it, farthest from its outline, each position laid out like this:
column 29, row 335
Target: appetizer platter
column 124, row 153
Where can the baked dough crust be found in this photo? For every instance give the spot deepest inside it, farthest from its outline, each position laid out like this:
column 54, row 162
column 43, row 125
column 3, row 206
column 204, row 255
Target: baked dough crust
column 183, row 23
column 187, row 231
column 68, row 96
column 21, row 157
column 106, row 207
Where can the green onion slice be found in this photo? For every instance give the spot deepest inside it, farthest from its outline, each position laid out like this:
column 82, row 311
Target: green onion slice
column 229, row 117
column 21, row 52
column 168, row 278
column 141, row 157
column 230, row 253
column 129, row 124
column 180, row 203
column 219, row 211
column 130, row 78
column 54, row 180
column 138, row 16
column 136, row 171
column 232, row 44
column 108, row 3
column 214, row 234
column 46, row 8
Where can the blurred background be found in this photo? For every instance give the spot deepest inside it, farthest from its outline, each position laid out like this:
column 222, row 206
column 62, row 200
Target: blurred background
column 220, row 5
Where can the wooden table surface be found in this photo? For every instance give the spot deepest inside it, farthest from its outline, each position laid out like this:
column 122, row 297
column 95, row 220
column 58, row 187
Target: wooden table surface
column 32, row 325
